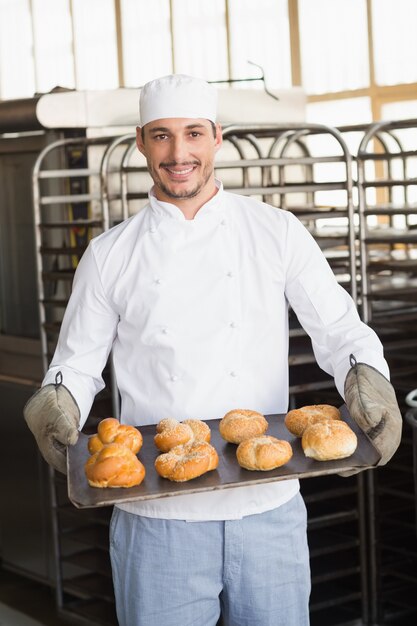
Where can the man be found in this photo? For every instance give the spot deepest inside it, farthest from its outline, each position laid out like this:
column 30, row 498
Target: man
column 192, row 294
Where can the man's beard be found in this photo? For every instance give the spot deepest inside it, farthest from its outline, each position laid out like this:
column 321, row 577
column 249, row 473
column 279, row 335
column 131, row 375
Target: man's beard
column 187, row 193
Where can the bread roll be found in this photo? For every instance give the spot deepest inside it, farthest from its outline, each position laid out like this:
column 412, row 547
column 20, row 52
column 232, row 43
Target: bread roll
column 113, row 466
column 130, row 437
column 263, row 453
column 297, row 420
column 329, row 440
column 171, row 433
column 94, row 444
column 201, row 431
column 110, row 430
column 187, row 461
column 241, row 424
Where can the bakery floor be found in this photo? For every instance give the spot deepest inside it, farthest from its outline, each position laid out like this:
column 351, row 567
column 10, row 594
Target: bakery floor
column 24, row 602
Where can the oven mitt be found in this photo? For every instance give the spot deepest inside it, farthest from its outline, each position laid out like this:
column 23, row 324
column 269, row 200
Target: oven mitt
column 372, row 403
column 53, row 416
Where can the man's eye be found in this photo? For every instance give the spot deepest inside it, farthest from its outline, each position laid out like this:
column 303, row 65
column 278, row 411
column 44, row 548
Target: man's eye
column 160, row 137
column 195, row 133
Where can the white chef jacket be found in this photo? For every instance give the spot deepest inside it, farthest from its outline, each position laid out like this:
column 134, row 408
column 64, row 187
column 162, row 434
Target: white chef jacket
column 196, row 312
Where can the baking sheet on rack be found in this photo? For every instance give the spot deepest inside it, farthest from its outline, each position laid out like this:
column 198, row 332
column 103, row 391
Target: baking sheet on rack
column 228, row 473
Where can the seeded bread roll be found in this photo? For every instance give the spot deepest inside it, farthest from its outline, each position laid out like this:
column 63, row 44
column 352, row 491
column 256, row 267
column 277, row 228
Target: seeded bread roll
column 329, row 440
column 110, row 430
column 171, row 433
column 263, row 453
column 297, row 420
column 201, row 431
column 241, row 424
column 113, row 466
column 187, row 461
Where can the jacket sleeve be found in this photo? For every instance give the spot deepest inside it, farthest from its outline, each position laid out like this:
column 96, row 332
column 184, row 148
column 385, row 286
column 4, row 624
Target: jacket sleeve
column 325, row 309
column 87, row 333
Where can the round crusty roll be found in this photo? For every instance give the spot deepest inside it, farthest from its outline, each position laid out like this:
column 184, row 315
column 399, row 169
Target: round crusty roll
column 187, row 461
column 297, row 420
column 171, row 433
column 110, row 430
column 241, row 424
column 113, row 466
column 201, row 431
column 263, row 453
column 329, row 440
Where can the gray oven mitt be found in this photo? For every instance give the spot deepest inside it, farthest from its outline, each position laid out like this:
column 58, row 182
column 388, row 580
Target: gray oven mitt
column 53, row 416
column 372, row 403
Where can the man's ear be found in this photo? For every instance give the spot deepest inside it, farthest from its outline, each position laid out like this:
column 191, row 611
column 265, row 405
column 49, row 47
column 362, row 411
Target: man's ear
column 139, row 140
column 219, row 137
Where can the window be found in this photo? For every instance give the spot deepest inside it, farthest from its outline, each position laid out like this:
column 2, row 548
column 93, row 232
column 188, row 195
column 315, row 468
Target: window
column 406, row 109
column 53, row 44
column 352, row 56
column 17, row 71
column 340, row 112
column 259, row 32
column 200, row 38
column 95, row 44
column 395, row 42
column 147, row 43
column 334, row 45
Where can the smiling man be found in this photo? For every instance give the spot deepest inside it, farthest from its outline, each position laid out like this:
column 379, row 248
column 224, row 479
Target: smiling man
column 180, row 151
column 192, row 296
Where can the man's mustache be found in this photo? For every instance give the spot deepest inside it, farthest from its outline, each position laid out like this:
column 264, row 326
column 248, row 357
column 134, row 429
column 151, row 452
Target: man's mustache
column 176, row 163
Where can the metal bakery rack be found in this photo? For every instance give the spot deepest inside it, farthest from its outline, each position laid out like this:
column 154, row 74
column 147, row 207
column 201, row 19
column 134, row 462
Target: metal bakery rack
column 84, row 186
column 387, row 186
column 68, row 211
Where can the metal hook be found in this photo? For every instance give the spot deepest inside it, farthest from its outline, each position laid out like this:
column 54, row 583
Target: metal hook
column 229, row 81
column 263, row 80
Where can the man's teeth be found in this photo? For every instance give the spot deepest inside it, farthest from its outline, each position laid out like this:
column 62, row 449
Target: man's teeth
column 180, row 172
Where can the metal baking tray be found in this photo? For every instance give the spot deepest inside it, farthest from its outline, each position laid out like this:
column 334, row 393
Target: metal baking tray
column 228, row 473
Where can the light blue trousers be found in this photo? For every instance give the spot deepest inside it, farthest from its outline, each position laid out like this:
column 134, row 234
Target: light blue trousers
column 255, row 570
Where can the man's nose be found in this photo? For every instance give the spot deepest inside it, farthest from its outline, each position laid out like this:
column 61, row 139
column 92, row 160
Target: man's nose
column 179, row 149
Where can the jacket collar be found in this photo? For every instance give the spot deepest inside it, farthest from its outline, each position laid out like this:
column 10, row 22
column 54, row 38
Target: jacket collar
column 167, row 209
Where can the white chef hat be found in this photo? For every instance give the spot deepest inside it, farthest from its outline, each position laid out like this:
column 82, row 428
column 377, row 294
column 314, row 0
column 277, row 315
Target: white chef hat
column 177, row 95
